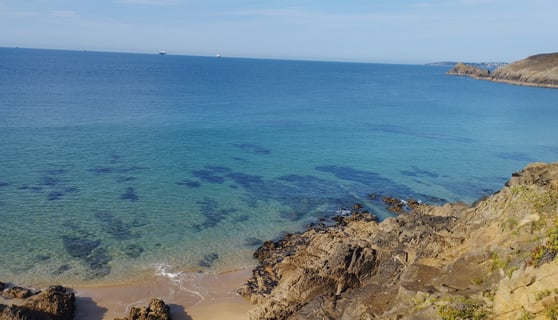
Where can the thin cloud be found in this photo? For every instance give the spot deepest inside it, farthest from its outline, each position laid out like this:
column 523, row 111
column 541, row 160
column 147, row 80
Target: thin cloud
column 422, row 5
column 63, row 14
column 147, row 2
column 40, row 14
column 297, row 12
column 20, row 13
column 271, row 12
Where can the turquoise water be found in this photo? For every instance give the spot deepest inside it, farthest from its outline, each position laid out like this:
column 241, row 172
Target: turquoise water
column 113, row 165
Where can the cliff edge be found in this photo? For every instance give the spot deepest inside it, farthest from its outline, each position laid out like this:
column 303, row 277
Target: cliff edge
column 539, row 70
column 494, row 259
column 462, row 69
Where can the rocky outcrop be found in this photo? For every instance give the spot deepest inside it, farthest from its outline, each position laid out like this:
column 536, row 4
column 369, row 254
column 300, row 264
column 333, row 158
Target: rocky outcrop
column 156, row 310
column 59, row 303
column 54, row 303
column 538, row 70
column 461, row 69
column 16, row 292
column 492, row 260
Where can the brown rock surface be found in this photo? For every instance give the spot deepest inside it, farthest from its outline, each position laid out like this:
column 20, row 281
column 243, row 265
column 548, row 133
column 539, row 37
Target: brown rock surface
column 538, row 70
column 54, row 303
column 462, row 69
column 17, row 293
column 492, row 260
column 156, row 310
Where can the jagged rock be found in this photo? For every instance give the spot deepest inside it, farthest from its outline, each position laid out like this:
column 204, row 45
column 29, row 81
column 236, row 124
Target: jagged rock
column 484, row 261
column 461, row 69
column 2, row 286
column 156, row 310
column 56, row 300
column 21, row 313
column 17, row 293
column 394, row 205
column 54, row 303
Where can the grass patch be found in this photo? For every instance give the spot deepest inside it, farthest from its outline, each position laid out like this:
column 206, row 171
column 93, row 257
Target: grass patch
column 498, row 263
column 422, row 300
column 542, row 294
column 548, row 251
column 552, row 313
column 526, row 315
column 463, row 308
column 510, row 272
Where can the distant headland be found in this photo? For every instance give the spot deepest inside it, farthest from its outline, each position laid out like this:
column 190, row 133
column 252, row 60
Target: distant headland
column 482, row 65
column 539, row 70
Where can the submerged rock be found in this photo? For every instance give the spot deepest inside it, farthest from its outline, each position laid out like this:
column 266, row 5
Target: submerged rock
column 133, row 250
column 79, row 247
column 130, row 195
column 208, row 260
column 491, row 260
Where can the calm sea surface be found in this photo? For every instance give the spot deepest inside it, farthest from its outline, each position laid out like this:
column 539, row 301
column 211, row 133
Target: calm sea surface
column 119, row 165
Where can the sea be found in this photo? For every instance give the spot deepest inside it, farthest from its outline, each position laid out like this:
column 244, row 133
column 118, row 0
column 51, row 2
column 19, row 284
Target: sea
column 117, row 166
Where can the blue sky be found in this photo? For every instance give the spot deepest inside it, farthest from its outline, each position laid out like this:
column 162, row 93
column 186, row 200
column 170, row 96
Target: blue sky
column 395, row 31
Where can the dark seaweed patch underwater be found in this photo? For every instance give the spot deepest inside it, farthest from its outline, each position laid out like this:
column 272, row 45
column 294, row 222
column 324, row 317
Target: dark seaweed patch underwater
column 300, row 195
column 189, row 156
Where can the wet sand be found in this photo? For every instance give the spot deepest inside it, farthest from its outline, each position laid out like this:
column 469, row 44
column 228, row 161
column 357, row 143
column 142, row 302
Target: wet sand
column 190, row 297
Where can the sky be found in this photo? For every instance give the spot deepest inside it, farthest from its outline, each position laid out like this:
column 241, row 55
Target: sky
column 394, row 31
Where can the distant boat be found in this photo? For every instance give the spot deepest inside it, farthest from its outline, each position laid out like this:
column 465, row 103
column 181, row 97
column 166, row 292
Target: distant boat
column 218, row 55
column 162, row 53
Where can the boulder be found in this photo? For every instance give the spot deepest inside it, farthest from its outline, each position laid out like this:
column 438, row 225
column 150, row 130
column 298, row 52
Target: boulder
column 156, row 310
column 57, row 301
column 54, row 303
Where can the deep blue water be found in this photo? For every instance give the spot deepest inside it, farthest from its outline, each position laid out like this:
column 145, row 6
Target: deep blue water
column 112, row 164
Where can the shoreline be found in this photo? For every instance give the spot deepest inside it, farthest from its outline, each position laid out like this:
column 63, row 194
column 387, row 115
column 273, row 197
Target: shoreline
column 494, row 259
column 193, row 296
column 476, row 76
column 522, row 83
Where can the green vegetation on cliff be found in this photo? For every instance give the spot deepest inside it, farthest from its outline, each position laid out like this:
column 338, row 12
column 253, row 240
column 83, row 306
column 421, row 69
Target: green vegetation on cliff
column 539, row 70
column 495, row 259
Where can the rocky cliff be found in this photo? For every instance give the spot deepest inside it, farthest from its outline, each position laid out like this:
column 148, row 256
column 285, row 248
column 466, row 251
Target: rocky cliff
column 462, row 69
column 494, row 259
column 538, row 70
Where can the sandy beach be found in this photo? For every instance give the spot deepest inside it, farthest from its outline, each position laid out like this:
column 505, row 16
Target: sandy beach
column 190, row 297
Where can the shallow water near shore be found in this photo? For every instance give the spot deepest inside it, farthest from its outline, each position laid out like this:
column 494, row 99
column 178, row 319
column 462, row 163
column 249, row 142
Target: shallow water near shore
column 189, row 296
column 115, row 167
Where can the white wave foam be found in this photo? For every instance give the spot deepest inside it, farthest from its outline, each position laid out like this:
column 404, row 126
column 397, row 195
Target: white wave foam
column 163, row 270
column 186, row 282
